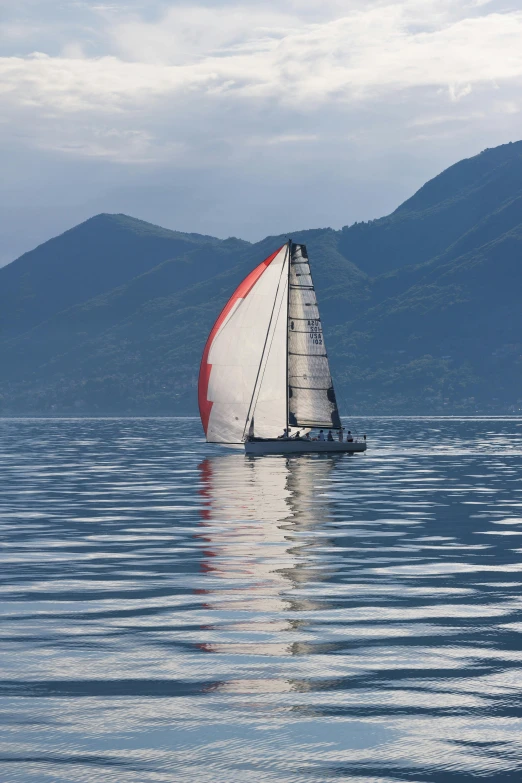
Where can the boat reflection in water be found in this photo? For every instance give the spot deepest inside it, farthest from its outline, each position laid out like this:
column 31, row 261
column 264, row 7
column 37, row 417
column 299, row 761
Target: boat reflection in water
column 258, row 522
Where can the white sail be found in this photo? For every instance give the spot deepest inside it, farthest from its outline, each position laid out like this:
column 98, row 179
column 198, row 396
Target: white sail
column 311, row 394
column 243, row 369
column 265, row 366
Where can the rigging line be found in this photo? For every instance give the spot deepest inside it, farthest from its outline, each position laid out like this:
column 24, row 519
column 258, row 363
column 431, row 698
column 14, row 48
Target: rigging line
column 264, row 368
column 313, row 355
column 311, row 388
column 264, row 348
column 327, row 424
column 287, row 383
column 344, row 402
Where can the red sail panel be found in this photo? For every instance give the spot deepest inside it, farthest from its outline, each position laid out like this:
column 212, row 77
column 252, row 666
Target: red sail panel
column 236, row 342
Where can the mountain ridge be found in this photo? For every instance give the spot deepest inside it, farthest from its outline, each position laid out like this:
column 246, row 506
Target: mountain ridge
column 434, row 328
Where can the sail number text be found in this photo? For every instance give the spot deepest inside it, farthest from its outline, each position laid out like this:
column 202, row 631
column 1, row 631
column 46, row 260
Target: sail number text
column 315, row 333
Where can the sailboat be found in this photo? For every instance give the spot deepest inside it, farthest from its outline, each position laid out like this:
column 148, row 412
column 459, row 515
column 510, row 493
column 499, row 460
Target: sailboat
column 264, row 379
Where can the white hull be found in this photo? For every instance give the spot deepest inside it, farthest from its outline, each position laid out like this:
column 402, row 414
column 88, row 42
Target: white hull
column 302, row 446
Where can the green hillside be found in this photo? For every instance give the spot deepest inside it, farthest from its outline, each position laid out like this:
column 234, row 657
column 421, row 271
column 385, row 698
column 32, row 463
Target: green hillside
column 421, row 308
column 439, row 214
column 85, row 261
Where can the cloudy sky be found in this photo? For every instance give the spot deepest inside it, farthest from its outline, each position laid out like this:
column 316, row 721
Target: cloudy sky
column 244, row 118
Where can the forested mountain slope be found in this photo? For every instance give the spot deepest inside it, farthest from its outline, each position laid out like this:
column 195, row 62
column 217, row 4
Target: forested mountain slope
column 85, row 261
column 445, row 209
column 421, row 309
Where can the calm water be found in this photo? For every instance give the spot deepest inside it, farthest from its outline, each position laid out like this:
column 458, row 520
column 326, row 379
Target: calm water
column 178, row 612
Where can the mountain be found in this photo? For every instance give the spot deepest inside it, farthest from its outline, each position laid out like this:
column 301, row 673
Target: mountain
column 445, row 210
column 90, row 259
column 420, row 308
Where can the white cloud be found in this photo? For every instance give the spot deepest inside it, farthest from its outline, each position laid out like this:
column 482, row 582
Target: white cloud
column 187, row 33
column 339, row 91
column 250, row 54
column 283, row 138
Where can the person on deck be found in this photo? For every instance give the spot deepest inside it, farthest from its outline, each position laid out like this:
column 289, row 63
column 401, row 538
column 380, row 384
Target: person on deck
column 349, row 437
column 285, row 434
column 321, row 435
column 298, row 435
column 307, row 436
column 340, row 434
column 330, row 436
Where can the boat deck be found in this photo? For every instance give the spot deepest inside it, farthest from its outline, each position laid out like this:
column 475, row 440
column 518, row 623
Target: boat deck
column 301, row 446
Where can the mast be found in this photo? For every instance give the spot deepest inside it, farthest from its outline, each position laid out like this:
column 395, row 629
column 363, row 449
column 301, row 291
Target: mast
column 287, row 326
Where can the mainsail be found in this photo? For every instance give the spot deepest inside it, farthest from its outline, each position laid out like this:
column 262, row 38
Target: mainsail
column 265, row 360
column 311, row 396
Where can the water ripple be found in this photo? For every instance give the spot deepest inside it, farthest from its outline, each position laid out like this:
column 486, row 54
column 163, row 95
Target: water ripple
column 174, row 611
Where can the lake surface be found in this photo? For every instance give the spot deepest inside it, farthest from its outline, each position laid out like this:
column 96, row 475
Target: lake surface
column 174, row 611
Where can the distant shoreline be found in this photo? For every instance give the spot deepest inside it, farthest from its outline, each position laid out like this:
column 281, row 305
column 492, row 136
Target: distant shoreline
column 420, row 416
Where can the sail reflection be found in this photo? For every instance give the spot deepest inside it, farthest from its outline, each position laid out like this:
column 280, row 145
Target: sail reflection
column 258, row 520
